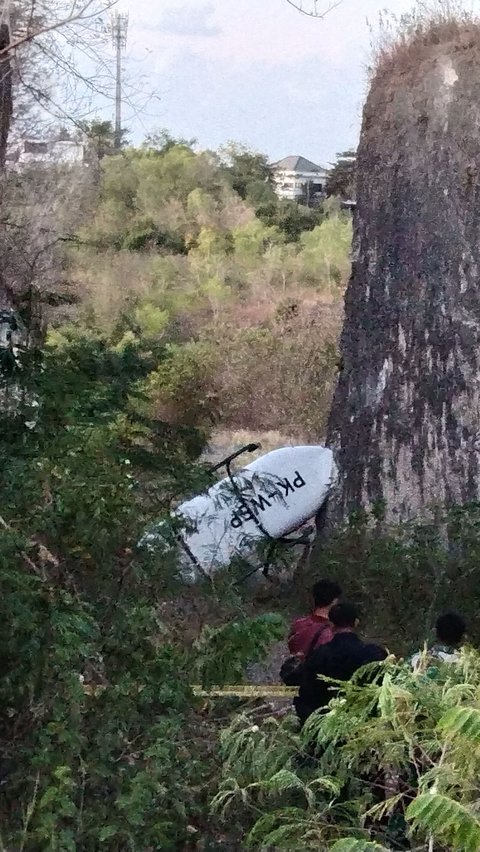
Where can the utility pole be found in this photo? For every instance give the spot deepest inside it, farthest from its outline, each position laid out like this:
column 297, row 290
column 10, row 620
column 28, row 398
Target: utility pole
column 119, row 27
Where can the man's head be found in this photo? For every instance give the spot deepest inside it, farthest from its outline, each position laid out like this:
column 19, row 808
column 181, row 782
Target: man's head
column 344, row 616
column 450, row 629
column 326, row 594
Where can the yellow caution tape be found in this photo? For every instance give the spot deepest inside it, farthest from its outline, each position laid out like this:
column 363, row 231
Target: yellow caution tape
column 248, row 690
column 242, row 690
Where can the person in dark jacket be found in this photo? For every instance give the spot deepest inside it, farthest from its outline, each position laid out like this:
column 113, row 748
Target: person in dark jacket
column 340, row 659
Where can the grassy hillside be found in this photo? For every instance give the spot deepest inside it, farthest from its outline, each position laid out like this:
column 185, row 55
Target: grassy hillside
column 245, row 299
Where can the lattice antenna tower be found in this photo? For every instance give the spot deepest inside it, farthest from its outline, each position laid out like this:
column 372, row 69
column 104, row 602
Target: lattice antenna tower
column 119, row 29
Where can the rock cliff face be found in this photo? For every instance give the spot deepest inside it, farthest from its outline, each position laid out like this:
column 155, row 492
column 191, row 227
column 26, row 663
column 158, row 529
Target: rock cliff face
column 405, row 420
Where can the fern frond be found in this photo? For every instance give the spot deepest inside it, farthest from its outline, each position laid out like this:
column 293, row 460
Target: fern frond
column 351, row 844
column 224, row 798
column 391, row 697
column 462, row 721
column 284, row 780
column 446, row 820
column 328, row 784
column 277, row 829
column 378, row 812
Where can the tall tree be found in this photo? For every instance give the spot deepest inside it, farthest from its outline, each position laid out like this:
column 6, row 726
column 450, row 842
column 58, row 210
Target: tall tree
column 5, row 90
column 406, row 415
column 342, row 176
column 247, row 171
column 161, row 141
column 40, row 35
column 101, row 138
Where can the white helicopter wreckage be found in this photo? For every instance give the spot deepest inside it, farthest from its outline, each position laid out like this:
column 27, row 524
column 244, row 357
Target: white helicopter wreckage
column 266, row 501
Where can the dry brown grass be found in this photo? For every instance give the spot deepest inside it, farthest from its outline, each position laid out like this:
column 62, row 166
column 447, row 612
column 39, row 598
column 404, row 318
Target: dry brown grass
column 401, row 42
column 224, row 441
column 281, row 376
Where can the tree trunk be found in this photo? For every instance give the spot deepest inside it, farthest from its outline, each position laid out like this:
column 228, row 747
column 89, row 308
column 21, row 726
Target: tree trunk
column 405, row 421
column 5, row 91
column 5, row 118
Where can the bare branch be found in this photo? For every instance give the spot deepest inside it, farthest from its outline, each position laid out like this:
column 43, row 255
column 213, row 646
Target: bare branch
column 86, row 12
column 314, row 12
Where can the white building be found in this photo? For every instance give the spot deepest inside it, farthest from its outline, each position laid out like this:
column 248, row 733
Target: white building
column 297, row 178
column 65, row 152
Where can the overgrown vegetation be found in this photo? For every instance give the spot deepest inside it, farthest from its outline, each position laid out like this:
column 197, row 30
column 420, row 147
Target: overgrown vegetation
column 244, row 290
column 393, row 765
column 102, row 740
column 402, row 38
column 177, row 295
column 132, row 318
column 99, row 726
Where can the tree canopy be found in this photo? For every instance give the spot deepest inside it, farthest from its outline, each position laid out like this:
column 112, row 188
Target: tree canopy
column 342, row 176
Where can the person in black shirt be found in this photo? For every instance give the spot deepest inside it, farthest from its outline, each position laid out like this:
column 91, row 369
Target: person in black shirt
column 339, row 659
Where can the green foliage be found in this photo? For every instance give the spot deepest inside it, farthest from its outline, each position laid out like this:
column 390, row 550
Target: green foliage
column 222, row 651
column 261, row 768
column 100, row 744
column 401, row 748
column 91, row 701
column 101, row 137
column 462, row 721
column 326, row 250
column 254, row 239
column 152, row 321
column 446, row 820
column 175, row 251
column 183, row 316
column 290, row 218
column 181, row 389
column 145, row 234
column 193, row 309
column 248, row 173
column 160, row 142
column 342, row 177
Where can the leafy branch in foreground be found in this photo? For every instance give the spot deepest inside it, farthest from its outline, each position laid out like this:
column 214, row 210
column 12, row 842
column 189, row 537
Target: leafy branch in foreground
column 391, row 763
column 94, row 697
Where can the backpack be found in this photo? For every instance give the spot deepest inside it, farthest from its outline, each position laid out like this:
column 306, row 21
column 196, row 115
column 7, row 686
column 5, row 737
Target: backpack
column 292, row 669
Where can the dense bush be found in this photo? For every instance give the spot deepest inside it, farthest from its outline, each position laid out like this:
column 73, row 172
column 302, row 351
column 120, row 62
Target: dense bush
column 392, row 765
column 102, row 741
column 403, row 576
column 99, row 744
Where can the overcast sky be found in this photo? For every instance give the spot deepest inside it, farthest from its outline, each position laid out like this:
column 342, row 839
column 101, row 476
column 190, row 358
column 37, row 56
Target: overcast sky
column 255, row 71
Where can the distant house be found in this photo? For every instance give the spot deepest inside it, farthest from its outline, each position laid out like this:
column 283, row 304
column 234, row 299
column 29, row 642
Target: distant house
column 56, row 152
column 296, row 178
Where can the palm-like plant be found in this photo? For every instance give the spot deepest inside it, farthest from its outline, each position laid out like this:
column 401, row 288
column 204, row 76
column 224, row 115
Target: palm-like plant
column 405, row 748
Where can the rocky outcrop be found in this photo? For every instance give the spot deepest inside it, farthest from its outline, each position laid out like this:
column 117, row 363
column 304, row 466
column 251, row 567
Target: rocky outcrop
column 405, row 420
